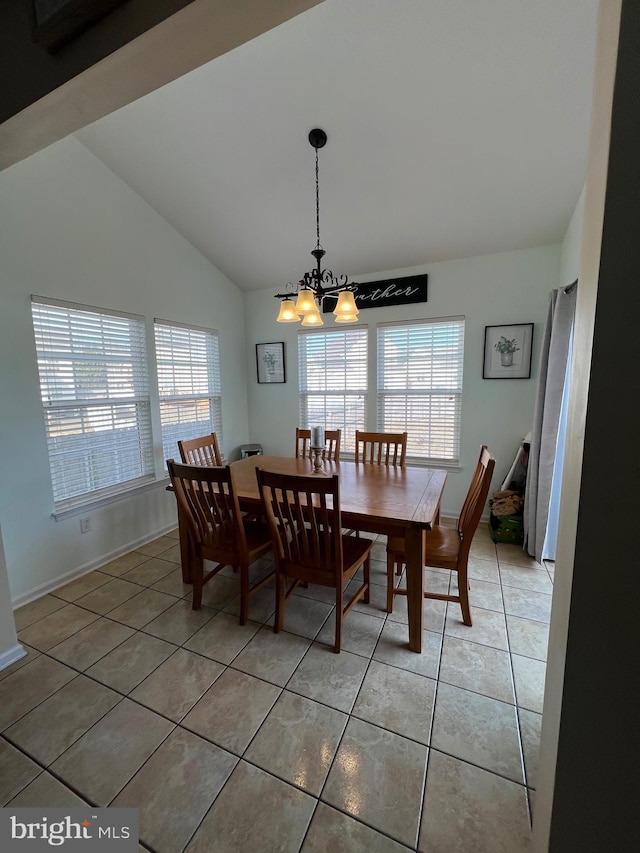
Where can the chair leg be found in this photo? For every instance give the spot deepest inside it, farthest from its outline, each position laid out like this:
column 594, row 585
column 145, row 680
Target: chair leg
column 339, row 617
column 390, row 582
column 463, row 592
column 244, row 593
column 197, row 574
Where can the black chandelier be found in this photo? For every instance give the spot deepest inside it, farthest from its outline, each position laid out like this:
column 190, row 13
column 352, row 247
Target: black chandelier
column 318, row 283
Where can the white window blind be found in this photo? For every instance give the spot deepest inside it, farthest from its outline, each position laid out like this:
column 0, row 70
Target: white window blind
column 420, row 385
column 95, row 393
column 189, row 384
column 332, row 368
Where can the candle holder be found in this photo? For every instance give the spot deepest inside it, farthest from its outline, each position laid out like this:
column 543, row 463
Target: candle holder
column 317, row 459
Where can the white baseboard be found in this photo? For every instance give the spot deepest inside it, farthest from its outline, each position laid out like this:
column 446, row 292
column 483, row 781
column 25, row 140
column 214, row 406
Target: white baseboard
column 91, row 566
column 11, row 656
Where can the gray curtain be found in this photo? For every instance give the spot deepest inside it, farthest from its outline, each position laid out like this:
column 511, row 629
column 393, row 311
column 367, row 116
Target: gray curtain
column 546, row 416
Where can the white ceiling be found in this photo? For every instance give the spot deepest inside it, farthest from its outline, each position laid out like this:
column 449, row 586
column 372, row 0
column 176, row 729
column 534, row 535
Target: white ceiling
column 456, row 128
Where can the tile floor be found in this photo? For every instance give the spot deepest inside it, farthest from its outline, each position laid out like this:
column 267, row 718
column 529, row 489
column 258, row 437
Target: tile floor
column 230, row 738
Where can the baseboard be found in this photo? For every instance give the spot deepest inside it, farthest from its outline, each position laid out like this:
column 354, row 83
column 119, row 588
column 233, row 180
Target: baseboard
column 91, row 566
column 11, row 656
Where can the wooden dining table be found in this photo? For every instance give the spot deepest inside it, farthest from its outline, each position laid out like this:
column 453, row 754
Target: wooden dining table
column 387, row 499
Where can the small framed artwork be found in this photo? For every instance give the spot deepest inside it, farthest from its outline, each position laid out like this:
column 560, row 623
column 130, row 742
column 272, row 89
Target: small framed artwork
column 507, row 351
column 270, row 362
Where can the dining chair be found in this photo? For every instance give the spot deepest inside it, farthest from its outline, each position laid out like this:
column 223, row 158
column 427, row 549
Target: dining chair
column 303, row 513
column 331, row 444
column 448, row 547
column 217, row 529
column 381, row 448
column 201, row 451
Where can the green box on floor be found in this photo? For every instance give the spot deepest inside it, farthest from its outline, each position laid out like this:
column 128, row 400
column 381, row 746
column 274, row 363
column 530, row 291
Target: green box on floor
column 507, row 528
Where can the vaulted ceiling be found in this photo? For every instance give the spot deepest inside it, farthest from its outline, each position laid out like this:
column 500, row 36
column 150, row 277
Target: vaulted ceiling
column 455, row 128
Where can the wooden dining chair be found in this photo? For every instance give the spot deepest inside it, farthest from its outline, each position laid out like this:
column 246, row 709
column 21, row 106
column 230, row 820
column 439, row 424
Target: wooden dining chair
column 304, row 516
column 381, row 448
column 201, row 451
column 217, row 529
column 448, row 547
column 331, row 444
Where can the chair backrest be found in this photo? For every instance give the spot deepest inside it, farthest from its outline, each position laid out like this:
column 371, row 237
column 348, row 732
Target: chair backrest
column 201, row 451
column 476, row 497
column 331, row 444
column 209, row 503
column 381, row 448
column 304, row 517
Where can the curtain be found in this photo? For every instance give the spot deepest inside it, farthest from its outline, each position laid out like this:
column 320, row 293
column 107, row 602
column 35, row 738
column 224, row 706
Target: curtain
column 546, row 418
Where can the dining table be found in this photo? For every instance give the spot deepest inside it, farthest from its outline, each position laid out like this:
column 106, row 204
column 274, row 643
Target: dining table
column 390, row 499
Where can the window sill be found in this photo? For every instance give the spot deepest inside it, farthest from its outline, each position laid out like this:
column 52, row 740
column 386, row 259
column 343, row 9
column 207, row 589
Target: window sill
column 414, row 462
column 92, row 504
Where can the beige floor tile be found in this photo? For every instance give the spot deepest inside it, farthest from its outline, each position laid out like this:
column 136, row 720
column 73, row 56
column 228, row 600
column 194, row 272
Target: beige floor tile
column 177, row 684
column 332, row 831
column 469, row 809
column 527, row 637
column 377, row 605
column 304, row 616
column 479, row 668
column 142, row 608
column 333, row 679
column 232, row 710
column 179, row 622
column 46, row 791
column 272, row 657
column 477, row 729
column 483, row 569
column 29, row 686
column 91, row 643
column 360, row 633
column 81, row 586
column 526, row 578
column 262, row 605
column 172, row 584
column 398, row 700
column 16, row 771
column 107, row 756
column 152, row 549
column 530, row 727
column 49, row 729
column 514, row 555
column 222, row 638
column 393, row 648
column 150, row 572
column 31, row 654
column 219, row 591
column 378, row 776
column 175, row 788
column 529, row 675
column 173, row 534
column 109, row 596
column 35, row 610
column 279, row 815
column 297, row 741
column 489, row 627
column 527, row 604
column 124, row 563
column 132, row 661
column 56, row 627
column 434, row 612
column 172, row 553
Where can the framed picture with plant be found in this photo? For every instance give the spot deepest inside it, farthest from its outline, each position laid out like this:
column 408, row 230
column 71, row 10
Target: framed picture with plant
column 270, row 362
column 507, row 351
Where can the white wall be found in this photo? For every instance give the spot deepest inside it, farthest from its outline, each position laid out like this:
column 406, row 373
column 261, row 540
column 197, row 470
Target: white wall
column 570, row 251
column 510, row 287
column 71, row 230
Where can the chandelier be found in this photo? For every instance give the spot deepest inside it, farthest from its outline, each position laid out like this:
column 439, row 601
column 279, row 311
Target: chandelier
column 318, row 283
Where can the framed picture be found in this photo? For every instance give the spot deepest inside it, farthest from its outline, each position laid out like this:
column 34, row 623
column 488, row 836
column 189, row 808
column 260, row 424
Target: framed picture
column 507, row 351
column 270, row 362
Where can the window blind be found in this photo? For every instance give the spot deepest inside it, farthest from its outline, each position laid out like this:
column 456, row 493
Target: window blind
column 332, row 367
column 95, row 393
column 189, row 384
column 420, row 385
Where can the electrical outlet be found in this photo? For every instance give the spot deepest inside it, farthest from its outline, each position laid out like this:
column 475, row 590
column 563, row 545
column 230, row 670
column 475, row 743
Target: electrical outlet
column 85, row 525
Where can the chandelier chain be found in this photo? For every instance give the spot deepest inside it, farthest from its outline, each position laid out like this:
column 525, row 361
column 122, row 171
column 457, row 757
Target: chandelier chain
column 317, row 204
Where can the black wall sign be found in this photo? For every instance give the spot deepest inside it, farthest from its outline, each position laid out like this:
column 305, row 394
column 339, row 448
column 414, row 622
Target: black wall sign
column 381, row 294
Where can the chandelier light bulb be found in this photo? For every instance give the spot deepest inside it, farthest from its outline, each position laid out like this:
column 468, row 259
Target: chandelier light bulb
column 346, row 305
column 306, row 303
column 288, row 313
column 313, row 318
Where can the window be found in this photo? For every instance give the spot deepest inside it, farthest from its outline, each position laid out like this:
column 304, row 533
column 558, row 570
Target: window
column 95, row 393
column 333, row 381
column 420, row 385
column 189, row 384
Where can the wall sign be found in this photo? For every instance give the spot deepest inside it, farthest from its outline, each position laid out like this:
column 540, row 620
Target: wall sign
column 383, row 294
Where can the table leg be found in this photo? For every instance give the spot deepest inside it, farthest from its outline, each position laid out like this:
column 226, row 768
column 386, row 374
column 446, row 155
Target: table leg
column 413, row 544
column 185, row 546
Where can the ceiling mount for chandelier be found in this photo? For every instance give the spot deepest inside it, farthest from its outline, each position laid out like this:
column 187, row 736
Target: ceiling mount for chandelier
column 317, row 283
